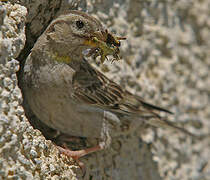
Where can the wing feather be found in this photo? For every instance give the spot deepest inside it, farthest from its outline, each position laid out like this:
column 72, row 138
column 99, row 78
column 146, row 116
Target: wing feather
column 92, row 87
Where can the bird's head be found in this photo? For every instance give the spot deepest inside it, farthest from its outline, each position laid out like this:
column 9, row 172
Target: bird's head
column 71, row 34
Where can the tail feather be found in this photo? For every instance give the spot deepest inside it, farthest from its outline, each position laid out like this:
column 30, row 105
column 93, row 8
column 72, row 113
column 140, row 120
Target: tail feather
column 155, row 107
column 137, row 106
column 163, row 123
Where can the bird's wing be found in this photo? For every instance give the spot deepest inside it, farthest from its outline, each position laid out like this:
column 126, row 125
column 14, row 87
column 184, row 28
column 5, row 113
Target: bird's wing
column 93, row 88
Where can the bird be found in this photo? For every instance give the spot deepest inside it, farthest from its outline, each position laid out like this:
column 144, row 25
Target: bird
column 68, row 94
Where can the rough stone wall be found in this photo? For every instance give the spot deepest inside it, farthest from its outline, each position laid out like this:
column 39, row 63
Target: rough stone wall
column 165, row 60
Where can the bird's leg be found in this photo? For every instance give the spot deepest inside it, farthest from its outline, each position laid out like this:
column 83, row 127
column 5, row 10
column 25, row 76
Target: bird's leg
column 78, row 154
column 63, row 139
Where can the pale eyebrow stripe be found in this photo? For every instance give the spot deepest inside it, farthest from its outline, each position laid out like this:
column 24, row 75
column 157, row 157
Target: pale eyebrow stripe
column 86, row 16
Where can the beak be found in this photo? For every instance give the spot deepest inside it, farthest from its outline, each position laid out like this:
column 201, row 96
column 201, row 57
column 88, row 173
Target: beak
column 106, row 37
column 99, row 36
column 106, row 43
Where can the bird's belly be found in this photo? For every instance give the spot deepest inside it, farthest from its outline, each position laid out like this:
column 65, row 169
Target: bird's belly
column 59, row 112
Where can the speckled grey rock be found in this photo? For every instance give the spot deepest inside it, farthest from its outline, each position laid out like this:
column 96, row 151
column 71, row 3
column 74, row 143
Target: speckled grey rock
column 165, row 60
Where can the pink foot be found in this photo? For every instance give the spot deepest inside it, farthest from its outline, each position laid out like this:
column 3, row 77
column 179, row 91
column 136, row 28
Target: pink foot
column 78, row 154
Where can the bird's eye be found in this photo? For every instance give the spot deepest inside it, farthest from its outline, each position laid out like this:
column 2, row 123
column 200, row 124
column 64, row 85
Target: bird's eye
column 79, row 24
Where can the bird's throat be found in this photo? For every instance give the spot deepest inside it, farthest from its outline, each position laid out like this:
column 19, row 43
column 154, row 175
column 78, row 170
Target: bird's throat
column 61, row 58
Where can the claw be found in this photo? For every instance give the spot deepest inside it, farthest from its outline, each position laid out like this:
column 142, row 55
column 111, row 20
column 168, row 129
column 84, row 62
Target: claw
column 78, row 154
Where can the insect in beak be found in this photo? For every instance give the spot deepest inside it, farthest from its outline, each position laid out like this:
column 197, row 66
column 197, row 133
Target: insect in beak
column 104, row 44
column 112, row 40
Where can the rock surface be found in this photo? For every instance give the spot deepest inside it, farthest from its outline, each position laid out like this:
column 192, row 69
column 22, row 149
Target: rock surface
column 165, row 60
